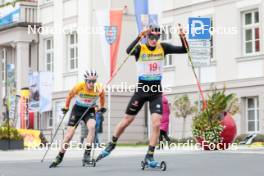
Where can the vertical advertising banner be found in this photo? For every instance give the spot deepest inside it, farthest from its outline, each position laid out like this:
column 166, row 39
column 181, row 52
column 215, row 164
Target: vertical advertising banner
column 142, row 15
column 11, row 90
column 111, row 21
column 45, row 91
column 141, row 11
column 34, row 91
column 40, row 86
column 23, row 107
column 115, row 20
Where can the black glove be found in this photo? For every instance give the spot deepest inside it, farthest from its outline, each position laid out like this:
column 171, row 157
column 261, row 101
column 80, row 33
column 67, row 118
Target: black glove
column 64, row 110
column 102, row 110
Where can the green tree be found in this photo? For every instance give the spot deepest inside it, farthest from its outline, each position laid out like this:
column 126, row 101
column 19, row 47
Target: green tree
column 183, row 107
column 13, row 3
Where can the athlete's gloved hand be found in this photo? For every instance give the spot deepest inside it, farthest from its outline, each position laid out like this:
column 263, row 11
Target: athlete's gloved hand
column 102, row 110
column 144, row 33
column 64, row 110
column 182, row 32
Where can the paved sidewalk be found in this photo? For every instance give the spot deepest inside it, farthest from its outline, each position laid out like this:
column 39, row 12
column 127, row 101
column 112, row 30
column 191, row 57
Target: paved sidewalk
column 36, row 155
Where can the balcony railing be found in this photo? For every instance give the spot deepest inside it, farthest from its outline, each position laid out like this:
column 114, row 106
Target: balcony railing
column 20, row 12
column 28, row 11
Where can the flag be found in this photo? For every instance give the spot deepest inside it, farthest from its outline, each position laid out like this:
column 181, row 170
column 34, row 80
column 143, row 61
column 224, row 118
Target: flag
column 111, row 23
column 143, row 17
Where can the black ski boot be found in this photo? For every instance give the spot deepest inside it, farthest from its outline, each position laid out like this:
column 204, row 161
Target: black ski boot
column 56, row 162
column 87, row 160
column 109, row 148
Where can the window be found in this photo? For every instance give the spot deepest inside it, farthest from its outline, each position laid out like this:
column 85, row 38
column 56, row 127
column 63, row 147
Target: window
column 57, row 114
column 72, row 40
column 3, row 63
column 49, row 55
column 252, row 106
column 212, row 42
column 168, row 60
column 46, row 1
column 166, row 33
column 50, row 119
column 251, row 32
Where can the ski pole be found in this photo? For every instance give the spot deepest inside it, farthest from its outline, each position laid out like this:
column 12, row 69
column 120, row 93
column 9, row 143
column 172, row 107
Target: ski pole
column 186, row 46
column 52, row 139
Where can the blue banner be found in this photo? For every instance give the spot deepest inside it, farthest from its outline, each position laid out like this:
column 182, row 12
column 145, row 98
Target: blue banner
column 142, row 15
column 141, row 10
column 10, row 18
column 153, row 19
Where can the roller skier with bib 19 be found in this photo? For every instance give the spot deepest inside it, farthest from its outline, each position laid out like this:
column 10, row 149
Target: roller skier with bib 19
column 86, row 93
column 149, row 62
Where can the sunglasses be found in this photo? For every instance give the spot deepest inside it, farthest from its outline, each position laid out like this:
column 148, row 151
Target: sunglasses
column 153, row 37
column 90, row 80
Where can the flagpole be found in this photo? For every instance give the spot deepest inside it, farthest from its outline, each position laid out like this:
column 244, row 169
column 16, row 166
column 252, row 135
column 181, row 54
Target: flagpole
column 109, row 115
column 109, row 95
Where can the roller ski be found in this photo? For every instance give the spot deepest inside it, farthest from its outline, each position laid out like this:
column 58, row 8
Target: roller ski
column 87, row 160
column 56, row 162
column 149, row 162
column 109, row 148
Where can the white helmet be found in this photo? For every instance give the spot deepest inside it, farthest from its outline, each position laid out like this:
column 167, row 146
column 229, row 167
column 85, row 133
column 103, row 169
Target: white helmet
column 89, row 73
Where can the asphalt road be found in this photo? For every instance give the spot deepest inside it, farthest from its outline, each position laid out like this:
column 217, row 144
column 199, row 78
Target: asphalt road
column 188, row 164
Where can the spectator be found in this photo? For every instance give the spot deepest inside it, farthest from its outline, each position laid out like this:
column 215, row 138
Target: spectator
column 164, row 123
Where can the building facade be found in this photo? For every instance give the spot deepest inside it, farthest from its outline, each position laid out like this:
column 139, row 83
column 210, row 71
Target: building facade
column 237, row 59
column 17, row 47
column 73, row 46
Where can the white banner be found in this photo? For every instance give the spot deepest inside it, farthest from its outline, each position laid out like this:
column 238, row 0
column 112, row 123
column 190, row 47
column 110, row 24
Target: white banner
column 102, row 20
column 34, row 91
column 45, row 91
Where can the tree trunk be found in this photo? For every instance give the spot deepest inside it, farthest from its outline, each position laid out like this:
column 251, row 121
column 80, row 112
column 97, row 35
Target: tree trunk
column 183, row 127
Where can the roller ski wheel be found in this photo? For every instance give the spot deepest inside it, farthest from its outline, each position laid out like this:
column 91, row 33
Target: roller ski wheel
column 88, row 160
column 142, row 165
column 90, row 163
column 56, row 162
column 163, row 166
column 153, row 165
